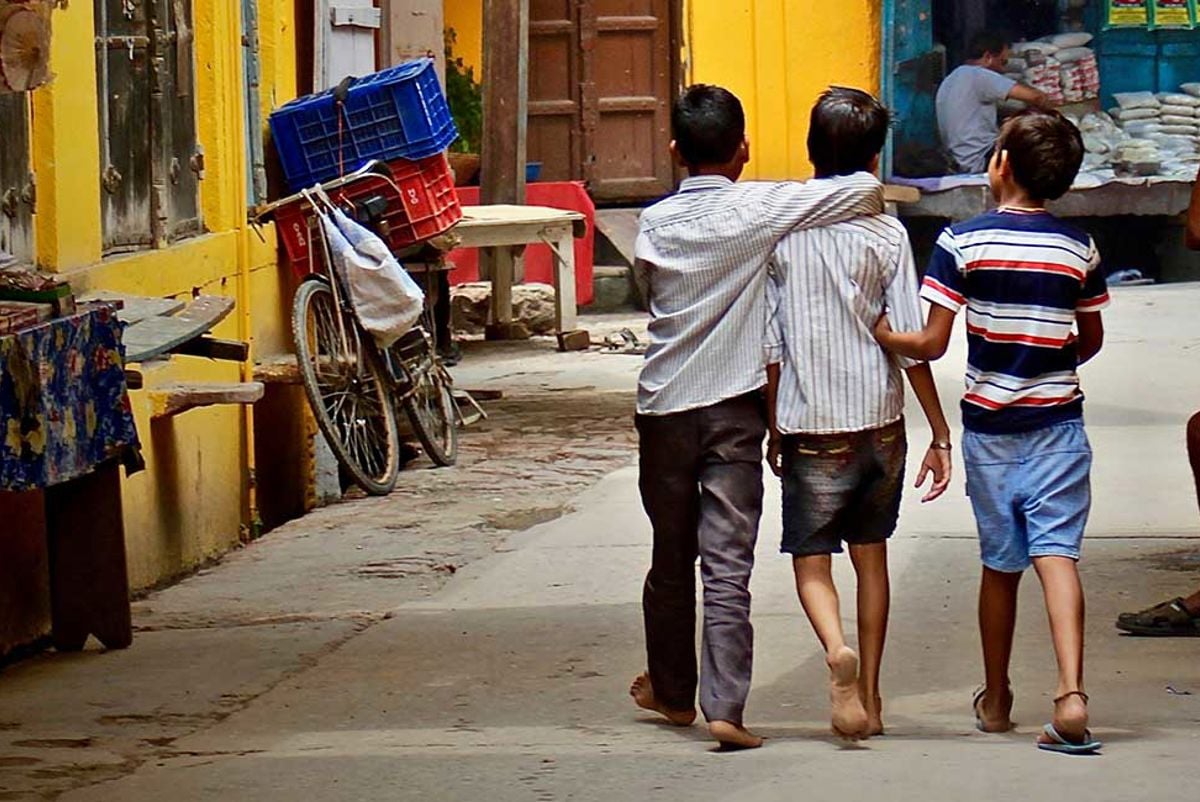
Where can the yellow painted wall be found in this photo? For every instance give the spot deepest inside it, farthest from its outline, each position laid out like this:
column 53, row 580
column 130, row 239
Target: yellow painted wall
column 776, row 55
column 466, row 18
column 192, row 502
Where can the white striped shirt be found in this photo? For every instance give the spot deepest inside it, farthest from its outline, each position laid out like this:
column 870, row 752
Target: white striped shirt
column 701, row 259
column 828, row 288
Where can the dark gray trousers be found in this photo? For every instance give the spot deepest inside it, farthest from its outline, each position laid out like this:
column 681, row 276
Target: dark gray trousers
column 701, row 485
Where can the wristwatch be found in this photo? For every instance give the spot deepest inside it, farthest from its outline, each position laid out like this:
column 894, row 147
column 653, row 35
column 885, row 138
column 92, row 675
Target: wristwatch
column 941, row 445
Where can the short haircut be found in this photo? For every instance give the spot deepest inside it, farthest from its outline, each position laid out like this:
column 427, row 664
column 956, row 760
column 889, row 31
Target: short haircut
column 847, row 130
column 708, row 125
column 987, row 42
column 1045, row 152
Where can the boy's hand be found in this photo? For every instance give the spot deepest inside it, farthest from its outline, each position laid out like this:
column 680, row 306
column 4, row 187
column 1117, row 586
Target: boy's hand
column 774, row 455
column 883, row 328
column 936, row 462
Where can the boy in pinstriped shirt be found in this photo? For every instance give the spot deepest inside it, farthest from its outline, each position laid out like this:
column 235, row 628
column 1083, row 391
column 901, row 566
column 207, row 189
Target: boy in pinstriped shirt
column 702, row 262
column 836, row 403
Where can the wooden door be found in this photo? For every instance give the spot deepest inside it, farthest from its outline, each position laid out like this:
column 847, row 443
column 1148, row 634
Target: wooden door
column 555, row 136
column 601, row 81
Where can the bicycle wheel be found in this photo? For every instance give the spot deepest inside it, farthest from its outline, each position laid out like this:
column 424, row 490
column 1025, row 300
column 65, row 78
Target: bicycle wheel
column 349, row 393
column 431, row 410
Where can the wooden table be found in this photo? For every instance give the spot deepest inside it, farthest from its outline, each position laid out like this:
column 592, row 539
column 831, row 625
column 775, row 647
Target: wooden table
column 504, row 231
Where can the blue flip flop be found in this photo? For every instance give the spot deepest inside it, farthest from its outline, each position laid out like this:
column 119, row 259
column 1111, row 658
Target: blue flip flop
column 1089, row 745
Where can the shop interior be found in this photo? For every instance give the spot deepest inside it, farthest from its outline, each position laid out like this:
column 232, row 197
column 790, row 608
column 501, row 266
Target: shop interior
column 1126, row 88
column 1133, row 91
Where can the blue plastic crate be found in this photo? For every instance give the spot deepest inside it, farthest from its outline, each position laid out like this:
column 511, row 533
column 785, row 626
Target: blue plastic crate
column 398, row 113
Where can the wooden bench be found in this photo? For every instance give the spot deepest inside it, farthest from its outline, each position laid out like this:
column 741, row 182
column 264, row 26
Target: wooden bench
column 159, row 327
column 505, row 231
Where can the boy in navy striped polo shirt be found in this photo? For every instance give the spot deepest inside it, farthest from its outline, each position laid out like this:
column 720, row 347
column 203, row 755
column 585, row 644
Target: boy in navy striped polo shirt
column 1033, row 290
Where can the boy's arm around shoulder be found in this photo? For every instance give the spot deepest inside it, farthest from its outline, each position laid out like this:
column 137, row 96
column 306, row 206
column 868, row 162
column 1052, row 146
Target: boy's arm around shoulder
column 819, row 202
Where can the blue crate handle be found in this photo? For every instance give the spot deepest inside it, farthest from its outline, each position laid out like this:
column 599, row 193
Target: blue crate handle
column 342, row 90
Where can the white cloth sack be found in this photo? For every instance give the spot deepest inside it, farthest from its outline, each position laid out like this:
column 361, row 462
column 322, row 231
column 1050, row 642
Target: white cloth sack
column 1178, row 99
column 1171, row 119
column 1125, row 115
column 385, row 298
column 1169, row 110
column 1137, row 100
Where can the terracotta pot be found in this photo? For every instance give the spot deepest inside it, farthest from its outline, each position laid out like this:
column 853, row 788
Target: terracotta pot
column 465, row 167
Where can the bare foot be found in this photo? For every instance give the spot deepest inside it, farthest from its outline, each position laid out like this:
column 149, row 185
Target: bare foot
column 994, row 714
column 849, row 715
column 732, row 736
column 643, row 693
column 874, row 708
column 1070, row 718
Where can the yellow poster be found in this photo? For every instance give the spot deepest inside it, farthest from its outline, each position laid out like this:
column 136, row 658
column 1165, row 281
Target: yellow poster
column 1175, row 14
column 1129, row 13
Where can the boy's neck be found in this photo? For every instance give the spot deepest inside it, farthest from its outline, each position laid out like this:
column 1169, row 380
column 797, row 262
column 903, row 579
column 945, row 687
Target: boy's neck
column 1017, row 198
column 732, row 172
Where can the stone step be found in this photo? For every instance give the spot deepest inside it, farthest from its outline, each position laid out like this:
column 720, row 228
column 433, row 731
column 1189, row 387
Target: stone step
column 614, row 289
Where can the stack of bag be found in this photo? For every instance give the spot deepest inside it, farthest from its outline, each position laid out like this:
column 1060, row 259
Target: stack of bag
column 1062, row 67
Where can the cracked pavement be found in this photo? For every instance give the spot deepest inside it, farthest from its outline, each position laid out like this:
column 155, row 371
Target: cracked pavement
column 472, row 636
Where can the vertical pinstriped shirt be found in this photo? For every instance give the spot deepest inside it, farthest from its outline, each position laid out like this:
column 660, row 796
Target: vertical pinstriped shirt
column 702, row 259
column 827, row 288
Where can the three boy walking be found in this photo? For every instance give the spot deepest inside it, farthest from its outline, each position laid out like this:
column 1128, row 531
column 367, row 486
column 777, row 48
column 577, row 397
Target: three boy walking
column 757, row 286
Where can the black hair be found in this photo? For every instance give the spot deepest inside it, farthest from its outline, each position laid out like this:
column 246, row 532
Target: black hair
column 847, row 130
column 1045, row 152
column 708, row 125
column 987, row 43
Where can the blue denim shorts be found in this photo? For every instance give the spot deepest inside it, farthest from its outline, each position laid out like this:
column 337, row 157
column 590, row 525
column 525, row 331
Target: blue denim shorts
column 1031, row 493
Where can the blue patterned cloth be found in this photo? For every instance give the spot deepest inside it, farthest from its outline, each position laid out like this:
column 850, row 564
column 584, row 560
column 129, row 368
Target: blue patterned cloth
column 64, row 406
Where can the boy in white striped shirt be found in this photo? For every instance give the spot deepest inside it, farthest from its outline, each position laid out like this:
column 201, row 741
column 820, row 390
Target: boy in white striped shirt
column 836, row 404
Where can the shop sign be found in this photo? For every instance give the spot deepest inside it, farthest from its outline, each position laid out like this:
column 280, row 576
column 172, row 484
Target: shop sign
column 1174, row 14
column 1127, row 13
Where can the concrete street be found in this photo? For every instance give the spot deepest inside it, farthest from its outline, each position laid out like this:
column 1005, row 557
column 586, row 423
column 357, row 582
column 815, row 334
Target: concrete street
column 473, row 636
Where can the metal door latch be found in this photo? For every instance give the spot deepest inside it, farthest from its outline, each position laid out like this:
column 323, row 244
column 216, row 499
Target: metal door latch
column 8, row 203
column 112, row 179
column 196, row 163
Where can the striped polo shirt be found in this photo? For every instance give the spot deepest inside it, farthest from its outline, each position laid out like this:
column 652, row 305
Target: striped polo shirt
column 1023, row 277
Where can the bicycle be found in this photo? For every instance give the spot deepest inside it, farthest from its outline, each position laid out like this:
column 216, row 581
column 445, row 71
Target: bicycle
column 354, row 387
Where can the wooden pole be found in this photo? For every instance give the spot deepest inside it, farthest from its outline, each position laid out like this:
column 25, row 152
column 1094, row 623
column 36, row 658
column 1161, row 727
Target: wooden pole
column 505, row 100
column 505, row 121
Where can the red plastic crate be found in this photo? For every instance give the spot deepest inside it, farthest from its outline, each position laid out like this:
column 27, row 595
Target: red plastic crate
column 421, row 203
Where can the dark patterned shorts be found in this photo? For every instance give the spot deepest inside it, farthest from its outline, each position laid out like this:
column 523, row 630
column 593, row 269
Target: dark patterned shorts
column 841, row 488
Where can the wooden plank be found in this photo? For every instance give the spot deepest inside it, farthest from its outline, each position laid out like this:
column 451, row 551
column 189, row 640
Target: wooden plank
column 89, row 581
column 893, row 193
column 174, row 399
column 505, row 100
column 215, row 348
column 156, row 336
column 564, row 283
column 503, row 274
column 278, row 370
column 511, row 235
column 135, row 308
column 500, row 213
